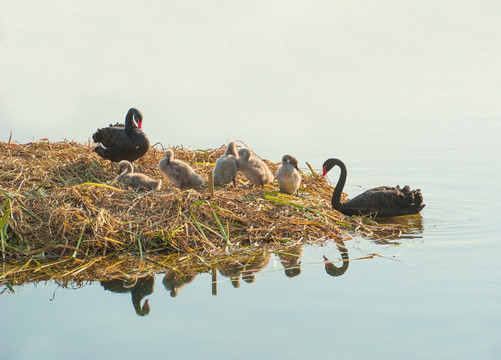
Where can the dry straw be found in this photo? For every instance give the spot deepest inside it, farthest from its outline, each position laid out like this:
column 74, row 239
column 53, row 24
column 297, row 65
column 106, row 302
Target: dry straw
column 59, row 201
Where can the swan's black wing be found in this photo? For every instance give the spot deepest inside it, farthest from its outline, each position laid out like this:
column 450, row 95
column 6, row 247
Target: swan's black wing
column 386, row 201
column 113, row 141
column 111, row 136
column 117, row 144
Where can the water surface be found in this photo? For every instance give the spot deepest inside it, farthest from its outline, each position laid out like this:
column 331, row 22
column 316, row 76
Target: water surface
column 404, row 93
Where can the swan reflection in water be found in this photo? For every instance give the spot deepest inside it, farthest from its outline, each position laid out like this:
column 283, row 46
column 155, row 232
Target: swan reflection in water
column 243, row 266
column 175, row 280
column 235, row 267
column 334, row 270
column 410, row 225
column 291, row 260
column 139, row 287
column 414, row 223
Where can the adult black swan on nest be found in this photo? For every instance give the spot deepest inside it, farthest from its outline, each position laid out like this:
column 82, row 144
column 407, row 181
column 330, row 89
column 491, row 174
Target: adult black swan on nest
column 383, row 201
column 118, row 142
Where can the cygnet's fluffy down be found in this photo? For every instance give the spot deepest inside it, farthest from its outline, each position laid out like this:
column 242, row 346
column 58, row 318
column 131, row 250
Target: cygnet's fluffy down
column 136, row 180
column 253, row 168
column 226, row 168
column 178, row 172
column 288, row 175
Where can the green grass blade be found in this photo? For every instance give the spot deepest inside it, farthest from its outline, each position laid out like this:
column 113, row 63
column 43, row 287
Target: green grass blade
column 221, row 228
column 140, row 246
column 3, row 230
column 79, row 242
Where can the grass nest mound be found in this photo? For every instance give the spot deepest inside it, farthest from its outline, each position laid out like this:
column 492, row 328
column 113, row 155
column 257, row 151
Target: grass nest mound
column 60, row 200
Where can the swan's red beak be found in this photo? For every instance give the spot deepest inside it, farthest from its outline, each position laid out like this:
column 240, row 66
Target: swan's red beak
column 146, row 306
column 324, row 172
column 140, row 125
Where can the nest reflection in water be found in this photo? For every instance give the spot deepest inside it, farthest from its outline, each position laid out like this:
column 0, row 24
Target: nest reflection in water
column 125, row 274
column 137, row 276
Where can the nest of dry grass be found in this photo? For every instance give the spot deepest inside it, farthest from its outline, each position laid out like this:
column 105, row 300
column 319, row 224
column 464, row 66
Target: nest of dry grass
column 59, row 200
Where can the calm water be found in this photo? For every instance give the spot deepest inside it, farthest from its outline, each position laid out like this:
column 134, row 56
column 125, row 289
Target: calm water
column 403, row 92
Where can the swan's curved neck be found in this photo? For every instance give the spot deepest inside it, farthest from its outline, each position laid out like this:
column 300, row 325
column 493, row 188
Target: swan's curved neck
column 136, row 302
column 231, row 149
column 129, row 119
column 125, row 168
column 336, row 196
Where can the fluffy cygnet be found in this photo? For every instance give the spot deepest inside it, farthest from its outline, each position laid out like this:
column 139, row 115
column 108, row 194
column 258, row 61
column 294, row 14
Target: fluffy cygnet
column 288, row 175
column 178, row 172
column 136, row 180
column 253, row 168
column 226, row 168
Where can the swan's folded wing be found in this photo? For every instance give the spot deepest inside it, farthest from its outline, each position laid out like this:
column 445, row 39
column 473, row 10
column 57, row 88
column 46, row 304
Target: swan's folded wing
column 383, row 199
column 112, row 137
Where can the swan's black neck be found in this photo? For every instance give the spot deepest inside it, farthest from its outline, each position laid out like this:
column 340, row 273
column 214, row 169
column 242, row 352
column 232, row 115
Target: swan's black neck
column 129, row 119
column 336, row 196
column 143, row 288
column 136, row 302
column 133, row 119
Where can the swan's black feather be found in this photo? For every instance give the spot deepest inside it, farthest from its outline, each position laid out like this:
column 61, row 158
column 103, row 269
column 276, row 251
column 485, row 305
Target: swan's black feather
column 122, row 142
column 383, row 201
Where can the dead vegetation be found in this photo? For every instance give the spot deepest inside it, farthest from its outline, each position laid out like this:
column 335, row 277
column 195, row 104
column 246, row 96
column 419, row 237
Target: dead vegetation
column 59, row 200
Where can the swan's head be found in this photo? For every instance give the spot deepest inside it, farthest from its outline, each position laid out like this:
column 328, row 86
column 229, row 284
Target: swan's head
column 329, row 164
column 232, row 149
column 244, row 154
column 291, row 160
column 125, row 166
column 169, row 155
column 134, row 119
column 138, row 119
column 292, row 271
column 145, row 310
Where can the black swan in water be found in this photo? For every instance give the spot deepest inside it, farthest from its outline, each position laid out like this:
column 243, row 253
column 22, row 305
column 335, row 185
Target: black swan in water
column 118, row 142
column 383, row 201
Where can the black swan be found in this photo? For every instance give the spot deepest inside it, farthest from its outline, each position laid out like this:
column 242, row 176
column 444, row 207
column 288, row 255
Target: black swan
column 254, row 169
column 288, row 175
column 178, row 172
column 136, row 180
column 122, row 142
column 226, row 169
column 383, row 201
